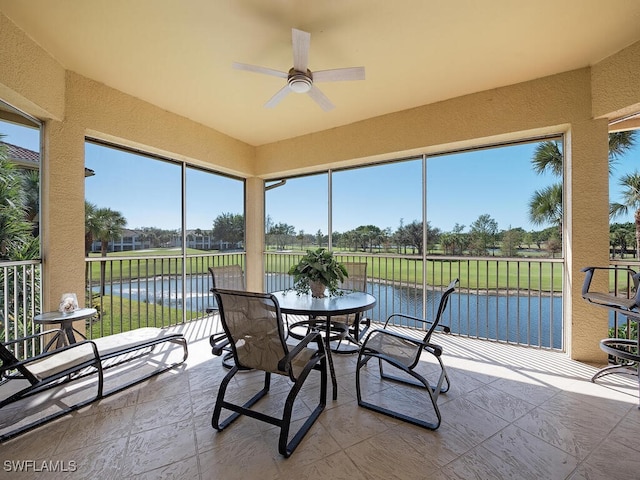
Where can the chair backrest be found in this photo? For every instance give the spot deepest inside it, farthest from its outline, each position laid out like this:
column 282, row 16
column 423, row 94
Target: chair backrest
column 444, row 300
column 253, row 324
column 228, row 277
column 357, row 279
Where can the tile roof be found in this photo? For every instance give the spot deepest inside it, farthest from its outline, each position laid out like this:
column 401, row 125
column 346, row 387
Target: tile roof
column 22, row 155
column 30, row 159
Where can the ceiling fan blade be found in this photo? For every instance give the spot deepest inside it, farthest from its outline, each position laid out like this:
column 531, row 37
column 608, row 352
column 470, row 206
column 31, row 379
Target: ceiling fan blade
column 339, row 74
column 277, row 98
column 258, row 69
column 301, row 42
column 321, row 99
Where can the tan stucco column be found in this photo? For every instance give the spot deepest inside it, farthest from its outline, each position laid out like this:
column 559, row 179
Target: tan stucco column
column 254, row 269
column 586, row 233
column 62, row 213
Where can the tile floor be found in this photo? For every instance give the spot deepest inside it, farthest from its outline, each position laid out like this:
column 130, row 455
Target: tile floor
column 511, row 413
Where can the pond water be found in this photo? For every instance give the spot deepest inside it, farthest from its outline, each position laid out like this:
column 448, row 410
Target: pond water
column 522, row 319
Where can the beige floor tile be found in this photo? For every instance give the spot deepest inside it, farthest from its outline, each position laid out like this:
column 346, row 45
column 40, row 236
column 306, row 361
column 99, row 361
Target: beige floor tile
column 159, row 447
column 511, row 413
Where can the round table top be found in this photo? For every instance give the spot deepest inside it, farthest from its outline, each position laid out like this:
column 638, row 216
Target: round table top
column 57, row 317
column 351, row 302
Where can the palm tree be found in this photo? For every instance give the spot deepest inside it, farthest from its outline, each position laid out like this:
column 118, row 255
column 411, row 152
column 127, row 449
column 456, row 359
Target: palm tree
column 548, row 157
column 16, row 239
column 110, row 226
column 105, row 225
column 630, row 201
column 545, row 206
column 91, row 227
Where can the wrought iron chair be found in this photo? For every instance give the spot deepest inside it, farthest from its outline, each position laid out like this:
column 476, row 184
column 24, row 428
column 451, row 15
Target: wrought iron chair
column 623, row 353
column 403, row 352
column 25, row 385
column 230, row 277
column 253, row 323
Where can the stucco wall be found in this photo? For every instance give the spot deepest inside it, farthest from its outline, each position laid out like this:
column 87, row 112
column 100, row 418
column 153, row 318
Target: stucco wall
column 616, row 85
column 35, row 86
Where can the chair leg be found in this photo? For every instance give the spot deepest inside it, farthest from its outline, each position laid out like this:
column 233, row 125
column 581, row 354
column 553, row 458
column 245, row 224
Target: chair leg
column 420, row 382
column 237, row 409
column 286, row 448
column 442, row 379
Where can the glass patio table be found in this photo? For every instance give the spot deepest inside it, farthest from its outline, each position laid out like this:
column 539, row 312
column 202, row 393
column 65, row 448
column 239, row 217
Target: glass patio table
column 350, row 303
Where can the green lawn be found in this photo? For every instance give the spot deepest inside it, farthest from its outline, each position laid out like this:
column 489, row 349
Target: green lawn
column 141, row 268
column 485, row 274
column 120, row 315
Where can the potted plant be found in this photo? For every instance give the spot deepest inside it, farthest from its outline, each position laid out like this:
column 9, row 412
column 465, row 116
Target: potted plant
column 316, row 272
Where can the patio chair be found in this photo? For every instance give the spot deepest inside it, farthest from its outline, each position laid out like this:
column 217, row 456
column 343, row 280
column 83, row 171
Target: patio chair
column 22, row 379
column 253, row 322
column 26, row 385
column 358, row 324
column 229, row 277
column 348, row 328
column 403, row 352
column 626, row 350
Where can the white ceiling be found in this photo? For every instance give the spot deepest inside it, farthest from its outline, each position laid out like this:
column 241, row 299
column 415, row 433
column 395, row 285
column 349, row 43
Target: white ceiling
column 178, row 54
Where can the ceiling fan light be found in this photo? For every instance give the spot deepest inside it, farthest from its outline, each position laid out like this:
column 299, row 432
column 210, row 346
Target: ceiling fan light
column 300, row 85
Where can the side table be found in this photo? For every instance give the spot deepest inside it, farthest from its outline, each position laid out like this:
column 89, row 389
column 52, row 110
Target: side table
column 66, row 324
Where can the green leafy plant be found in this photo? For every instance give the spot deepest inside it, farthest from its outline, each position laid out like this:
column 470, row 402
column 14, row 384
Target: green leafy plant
column 318, row 266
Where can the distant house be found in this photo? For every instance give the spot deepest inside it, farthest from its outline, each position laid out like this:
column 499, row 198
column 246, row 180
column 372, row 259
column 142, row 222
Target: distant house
column 130, row 240
column 204, row 241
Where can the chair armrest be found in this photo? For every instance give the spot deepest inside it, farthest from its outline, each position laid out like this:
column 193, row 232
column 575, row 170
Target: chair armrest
column 444, row 328
column 218, row 341
column 407, row 317
column 57, row 351
column 293, row 353
column 417, row 341
column 433, row 348
column 590, row 271
column 35, row 335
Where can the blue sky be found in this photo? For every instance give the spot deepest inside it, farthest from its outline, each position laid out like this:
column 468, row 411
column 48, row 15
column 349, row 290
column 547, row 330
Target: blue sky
column 460, row 187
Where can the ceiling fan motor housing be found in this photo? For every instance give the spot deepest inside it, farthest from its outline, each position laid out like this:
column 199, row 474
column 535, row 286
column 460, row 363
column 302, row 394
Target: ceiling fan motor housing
column 300, row 82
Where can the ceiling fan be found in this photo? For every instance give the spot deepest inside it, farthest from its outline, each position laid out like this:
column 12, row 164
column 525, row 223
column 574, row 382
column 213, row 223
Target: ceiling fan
column 299, row 78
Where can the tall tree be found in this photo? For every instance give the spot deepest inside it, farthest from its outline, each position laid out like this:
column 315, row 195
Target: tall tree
column 483, row 233
column 229, row 228
column 109, row 227
column 545, row 206
column 630, row 184
column 16, row 239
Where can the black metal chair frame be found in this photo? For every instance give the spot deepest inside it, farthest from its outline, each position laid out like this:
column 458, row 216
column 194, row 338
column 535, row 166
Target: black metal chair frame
column 371, row 349
column 625, row 349
column 14, row 369
column 317, row 362
column 108, row 352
